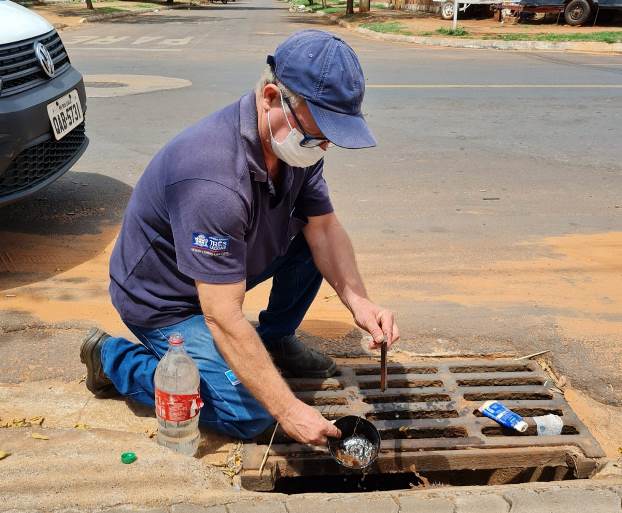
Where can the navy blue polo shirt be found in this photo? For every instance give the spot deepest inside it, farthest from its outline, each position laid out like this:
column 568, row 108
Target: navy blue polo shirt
column 205, row 209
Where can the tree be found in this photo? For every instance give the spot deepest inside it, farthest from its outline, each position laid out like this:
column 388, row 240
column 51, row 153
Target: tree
column 363, row 5
column 349, row 7
column 89, row 4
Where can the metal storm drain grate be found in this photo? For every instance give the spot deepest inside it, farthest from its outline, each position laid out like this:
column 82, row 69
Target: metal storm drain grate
column 431, row 429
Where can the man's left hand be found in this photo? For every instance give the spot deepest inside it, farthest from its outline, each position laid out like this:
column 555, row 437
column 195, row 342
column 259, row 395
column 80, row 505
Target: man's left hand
column 378, row 322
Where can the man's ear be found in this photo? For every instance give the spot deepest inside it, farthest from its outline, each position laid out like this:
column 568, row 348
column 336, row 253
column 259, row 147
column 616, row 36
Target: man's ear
column 269, row 95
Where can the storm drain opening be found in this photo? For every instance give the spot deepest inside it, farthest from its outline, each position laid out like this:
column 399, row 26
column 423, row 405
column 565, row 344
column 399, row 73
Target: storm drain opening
column 432, row 432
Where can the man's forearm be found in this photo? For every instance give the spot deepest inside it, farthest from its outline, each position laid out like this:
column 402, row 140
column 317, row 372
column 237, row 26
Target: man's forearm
column 243, row 350
column 333, row 254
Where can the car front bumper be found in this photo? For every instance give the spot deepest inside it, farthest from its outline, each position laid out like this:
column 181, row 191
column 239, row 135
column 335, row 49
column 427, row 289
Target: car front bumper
column 30, row 157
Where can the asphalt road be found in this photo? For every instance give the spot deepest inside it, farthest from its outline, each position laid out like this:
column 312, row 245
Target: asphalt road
column 496, row 175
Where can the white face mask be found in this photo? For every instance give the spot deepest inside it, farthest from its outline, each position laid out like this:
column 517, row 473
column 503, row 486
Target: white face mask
column 290, row 151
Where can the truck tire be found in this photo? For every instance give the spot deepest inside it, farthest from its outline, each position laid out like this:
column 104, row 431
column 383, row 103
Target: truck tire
column 577, row 12
column 447, row 10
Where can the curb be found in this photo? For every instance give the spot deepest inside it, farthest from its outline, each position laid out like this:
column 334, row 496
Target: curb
column 489, row 44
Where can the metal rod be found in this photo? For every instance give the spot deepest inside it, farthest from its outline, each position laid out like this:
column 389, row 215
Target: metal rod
column 383, row 365
column 265, row 456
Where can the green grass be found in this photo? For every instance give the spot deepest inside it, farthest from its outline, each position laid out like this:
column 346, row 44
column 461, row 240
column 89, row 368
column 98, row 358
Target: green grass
column 387, row 27
column 108, row 10
column 602, row 37
column 333, row 7
column 457, row 32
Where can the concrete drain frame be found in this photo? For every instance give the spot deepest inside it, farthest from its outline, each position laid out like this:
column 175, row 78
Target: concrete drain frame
column 429, row 424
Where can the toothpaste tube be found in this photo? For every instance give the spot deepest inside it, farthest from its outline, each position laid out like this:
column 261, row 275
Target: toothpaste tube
column 496, row 411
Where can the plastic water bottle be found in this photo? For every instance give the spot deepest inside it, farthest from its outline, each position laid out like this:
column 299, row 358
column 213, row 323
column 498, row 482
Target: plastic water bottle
column 177, row 399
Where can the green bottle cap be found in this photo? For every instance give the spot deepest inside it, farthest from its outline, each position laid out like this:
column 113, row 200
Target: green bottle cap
column 128, row 457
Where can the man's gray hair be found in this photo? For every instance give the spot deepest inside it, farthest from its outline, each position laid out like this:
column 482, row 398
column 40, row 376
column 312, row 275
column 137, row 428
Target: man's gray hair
column 268, row 77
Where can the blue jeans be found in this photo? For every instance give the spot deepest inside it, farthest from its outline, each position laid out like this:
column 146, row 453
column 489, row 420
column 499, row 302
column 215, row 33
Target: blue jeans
column 229, row 407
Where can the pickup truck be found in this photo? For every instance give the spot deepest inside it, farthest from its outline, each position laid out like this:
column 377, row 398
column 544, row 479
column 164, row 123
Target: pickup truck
column 576, row 12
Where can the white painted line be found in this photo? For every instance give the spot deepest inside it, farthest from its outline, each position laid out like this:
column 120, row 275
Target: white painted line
column 493, row 86
column 146, row 39
column 76, row 48
column 109, row 40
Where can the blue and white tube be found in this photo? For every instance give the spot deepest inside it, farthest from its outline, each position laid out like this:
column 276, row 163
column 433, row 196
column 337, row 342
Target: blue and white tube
column 496, row 411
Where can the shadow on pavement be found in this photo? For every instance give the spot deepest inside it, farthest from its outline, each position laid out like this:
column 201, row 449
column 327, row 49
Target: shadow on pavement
column 59, row 228
column 323, row 21
column 160, row 20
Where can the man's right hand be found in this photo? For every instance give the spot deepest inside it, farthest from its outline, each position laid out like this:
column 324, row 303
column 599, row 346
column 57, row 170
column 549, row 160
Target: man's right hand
column 307, row 425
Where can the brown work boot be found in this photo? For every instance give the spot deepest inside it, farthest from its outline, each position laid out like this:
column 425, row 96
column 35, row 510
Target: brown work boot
column 90, row 355
column 299, row 361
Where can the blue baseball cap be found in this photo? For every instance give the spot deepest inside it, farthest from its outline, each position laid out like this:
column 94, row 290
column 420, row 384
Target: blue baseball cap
column 326, row 72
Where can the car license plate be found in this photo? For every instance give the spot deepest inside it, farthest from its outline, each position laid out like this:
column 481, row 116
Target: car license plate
column 65, row 114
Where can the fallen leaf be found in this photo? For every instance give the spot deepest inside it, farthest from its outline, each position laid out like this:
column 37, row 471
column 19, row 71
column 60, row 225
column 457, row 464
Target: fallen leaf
column 39, row 436
column 82, row 379
column 80, row 425
column 38, row 420
column 16, row 423
column 403, row 429
column 4, row 454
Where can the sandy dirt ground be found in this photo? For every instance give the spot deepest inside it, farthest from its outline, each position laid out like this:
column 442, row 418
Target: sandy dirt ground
column 72, row 14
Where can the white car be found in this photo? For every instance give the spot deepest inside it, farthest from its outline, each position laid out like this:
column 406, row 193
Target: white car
column 42, row 104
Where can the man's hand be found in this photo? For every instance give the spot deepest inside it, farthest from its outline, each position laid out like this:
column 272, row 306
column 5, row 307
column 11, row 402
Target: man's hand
column 306, row 425
column 377, row 321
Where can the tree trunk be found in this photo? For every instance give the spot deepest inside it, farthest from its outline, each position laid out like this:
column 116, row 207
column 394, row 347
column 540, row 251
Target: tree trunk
column 323, row 4
column 169, row 1
column 89, row 4
column 363, row 5
column 349, row 7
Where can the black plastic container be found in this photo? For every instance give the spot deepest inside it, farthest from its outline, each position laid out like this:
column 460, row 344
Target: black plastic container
column 353, row 425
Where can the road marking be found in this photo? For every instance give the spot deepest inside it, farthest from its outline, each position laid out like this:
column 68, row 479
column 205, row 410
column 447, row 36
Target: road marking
column 146, row 39
column 109, row 40
column 494, row 86
column 130, row 49
column 80, row 39
column 176, row 42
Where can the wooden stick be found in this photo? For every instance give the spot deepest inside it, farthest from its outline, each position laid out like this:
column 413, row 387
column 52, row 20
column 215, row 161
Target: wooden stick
column 532, row 355
column 383, row 365
column 265, row 456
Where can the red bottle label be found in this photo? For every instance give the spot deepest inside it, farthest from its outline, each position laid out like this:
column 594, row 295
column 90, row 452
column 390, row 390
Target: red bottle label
column 177, row 407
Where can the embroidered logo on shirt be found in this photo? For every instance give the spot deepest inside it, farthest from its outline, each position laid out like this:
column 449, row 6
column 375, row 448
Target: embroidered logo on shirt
column 210, row 244
column 232, row 378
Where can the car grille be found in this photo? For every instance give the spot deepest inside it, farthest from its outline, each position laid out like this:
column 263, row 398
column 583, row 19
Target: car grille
column 19, row 67
column 35, row 164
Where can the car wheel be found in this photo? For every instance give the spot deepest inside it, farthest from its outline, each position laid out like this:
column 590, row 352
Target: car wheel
column 447, row 10
column 577, row 12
